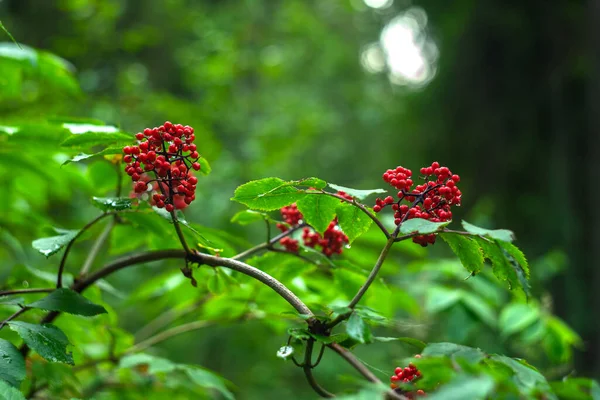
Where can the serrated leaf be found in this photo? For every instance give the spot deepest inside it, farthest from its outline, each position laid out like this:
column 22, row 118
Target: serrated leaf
column 47, row 340
column 527, row 377
column 112, row 203
column 246, row 217
column 357, row 329
column 357, row 193
column 422, row 226
column 98, row 138
column 267, row 194
column 467, row 250
column 518, row 256
column 51, row 245
column 500, row 234
column 66, row 300
column 504, row 266
column 463, row 386
column 8, row 392
column 12, row 363
column 418, row 344
column 371, row 316
column 318, row 210
column 516, row 317
column 352, row 221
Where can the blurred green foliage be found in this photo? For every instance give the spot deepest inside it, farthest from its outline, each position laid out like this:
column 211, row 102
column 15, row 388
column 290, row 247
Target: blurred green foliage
column 276, row 88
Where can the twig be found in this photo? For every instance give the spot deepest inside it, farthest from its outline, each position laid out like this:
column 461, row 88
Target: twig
column 26, row 291
column 166, row 318
column 191, row 326
column 63, row 261
column 180, row 233
column 307, row 368
column 96, row 248
column 15, row 315
column 361, row 207
column 267, row 245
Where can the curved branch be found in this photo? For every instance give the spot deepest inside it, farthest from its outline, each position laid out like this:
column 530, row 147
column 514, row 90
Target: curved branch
column 63, row 261
column 307, row 368
column 169, row 333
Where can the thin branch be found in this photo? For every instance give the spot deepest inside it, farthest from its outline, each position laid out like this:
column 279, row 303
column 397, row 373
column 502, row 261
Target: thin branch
column 362, row 369
column 361, row 207
column 307, row 368
column 169, row 333
column 63, row 261
column 166, row 318
column 267, row 245
column 26, row 291
column 180, row 233
column 96, row 248
column 15, row 315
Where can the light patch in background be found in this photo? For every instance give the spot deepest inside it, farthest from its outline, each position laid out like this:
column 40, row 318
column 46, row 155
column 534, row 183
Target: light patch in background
column 404, row 50
column 378, row 3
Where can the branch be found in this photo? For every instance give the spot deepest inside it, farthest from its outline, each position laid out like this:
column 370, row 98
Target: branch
column 167, row 317
column 169, row 333
column 26, row 291
column 267, row 245
column 180, row 233
column 362, row 369
column 361, row 207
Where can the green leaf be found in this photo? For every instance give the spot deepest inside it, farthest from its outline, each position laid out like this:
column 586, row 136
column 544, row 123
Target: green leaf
column 517, row 255
column 299, row 333
column 11, row 301
column 205, row 168
column 112, row 203
column 465, row 386
column 316, row 183
column 66, row 300
column 418, row 344
column 455, row 351
column 8, row 392
column 370, row 315
column 51, row 245
column 357, row 193
column 215, row 283
column 267, row 194
column 202, row 241
column 12, row 364
column 576, row 389
column 246, row 217
column 527, row 377
column 516, row 317
column 440, row 298
column 421, row 225
column 98, row 138
column 467, row 250
column 499, row 234
column 155, row 364
column 208, row 380
column 47, row 340
column 83, row 156
column 352, row 220
column 318, row 210
column 479, row 307
column 357, row 329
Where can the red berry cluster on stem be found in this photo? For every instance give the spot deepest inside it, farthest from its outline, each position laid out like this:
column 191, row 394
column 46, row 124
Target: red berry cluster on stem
column 331, row 242
column 406, row 375
column 168, row 154
column 430, row 200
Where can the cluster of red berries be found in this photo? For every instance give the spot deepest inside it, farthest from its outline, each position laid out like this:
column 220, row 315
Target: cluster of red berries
column 406, row 375
column 331, row 242
column 169, row 152
column 431, row 200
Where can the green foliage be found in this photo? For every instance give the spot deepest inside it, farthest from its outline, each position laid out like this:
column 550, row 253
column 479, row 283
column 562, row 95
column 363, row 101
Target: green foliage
column 267, row 194
column 12, row 364
column 52, row 245
column 8, row 392
column 467, row 250
column 357, row 329
column 353, row 221
column 423, row 226
column 66, row 300
column 47, row 340
column 112, row 203
column 318, row 210
column 359, row 194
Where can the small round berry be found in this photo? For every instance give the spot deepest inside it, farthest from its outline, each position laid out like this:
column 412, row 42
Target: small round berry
column 169, row 207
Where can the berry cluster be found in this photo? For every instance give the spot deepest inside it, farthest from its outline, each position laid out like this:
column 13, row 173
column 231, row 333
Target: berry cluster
column 431, row 200
column 406, row 375
column 331, row 242
column 169, row 152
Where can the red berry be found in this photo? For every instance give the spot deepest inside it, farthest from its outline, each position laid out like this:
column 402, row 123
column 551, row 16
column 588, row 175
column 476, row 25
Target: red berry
column 196, row 166
column 169, row 207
